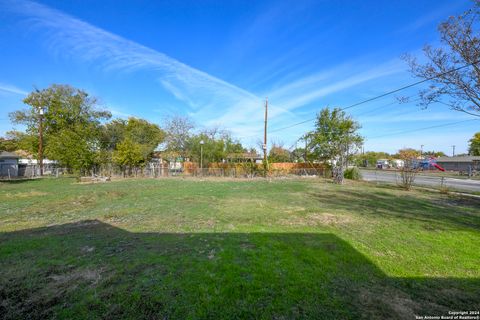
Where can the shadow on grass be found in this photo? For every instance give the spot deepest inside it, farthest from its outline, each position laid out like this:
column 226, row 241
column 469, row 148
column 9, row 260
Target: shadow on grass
column 18, row 180
column 442, row 212
column 93, row 270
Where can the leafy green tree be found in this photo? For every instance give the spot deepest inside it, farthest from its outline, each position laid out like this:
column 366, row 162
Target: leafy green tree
column 148, row 135
column 10, row 143
column 113, row 132
column 298, row 154
column 71, row 119
column 335, row 139
column 474, row 146
column 71, row 149
column 303, row 154
column 407, row 153
column 232, row 146
column 435, row 154
column 23, row 141
column 6, row 145
column 217, row 146
column 369, row 158
column 128, row 155
column 278, row 153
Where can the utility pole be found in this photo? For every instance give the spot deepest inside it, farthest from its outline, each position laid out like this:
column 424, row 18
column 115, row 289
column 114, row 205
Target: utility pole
column 421, row 150
column 265, row 132
column 306, row 146
column 453, row 151
column 201, row 156
column 40, row 139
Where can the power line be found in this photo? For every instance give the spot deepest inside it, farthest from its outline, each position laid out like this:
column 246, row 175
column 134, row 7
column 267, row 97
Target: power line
column 424, row 128
column 361, row 114
column 293, row 125
column 385, row 94
column 383, row 106
column 411, row 85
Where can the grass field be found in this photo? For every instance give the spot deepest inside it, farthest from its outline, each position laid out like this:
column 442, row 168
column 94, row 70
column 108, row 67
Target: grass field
column 224, row 249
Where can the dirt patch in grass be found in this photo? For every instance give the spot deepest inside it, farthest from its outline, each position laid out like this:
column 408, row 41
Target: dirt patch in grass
column 40, row 300
column 390, row 303
column 28, row 194
column 115, row 194
column 455, row 201
column 329, row 219
column 317, row 219
column 84, row 200
column 70, row 279
column 245, row 204
column 294, row 209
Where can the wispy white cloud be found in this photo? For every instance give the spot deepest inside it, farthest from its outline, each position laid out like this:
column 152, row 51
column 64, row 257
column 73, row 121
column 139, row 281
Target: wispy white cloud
column 205, row 95
column 433, row 17
column 112, row 52
column 290, row 96
column 12, row 89
column 320, row 85
column 210, row 100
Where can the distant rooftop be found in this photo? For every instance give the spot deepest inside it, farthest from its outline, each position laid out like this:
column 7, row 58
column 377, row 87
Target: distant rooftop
column 244, row 155
column 458, row 159
column 8, row 155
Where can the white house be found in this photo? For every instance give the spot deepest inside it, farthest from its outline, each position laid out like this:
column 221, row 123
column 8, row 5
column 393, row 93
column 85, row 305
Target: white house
column 383, row 164
column 398, row 163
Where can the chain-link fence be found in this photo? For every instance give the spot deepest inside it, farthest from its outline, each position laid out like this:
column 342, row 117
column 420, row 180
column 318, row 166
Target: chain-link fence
column 234, row 171
column 29, row 171
column 162, row 170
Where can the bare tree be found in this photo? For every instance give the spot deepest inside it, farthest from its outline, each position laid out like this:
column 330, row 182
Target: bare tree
column 454, row 68
column 178, row 130
column 409, row 170
column 216, row 132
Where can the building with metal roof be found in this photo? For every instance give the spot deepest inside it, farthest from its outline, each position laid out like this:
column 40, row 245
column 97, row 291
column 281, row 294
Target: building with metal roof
column 459, row 163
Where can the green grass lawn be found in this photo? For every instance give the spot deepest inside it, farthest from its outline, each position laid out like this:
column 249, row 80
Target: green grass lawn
column 225, row 249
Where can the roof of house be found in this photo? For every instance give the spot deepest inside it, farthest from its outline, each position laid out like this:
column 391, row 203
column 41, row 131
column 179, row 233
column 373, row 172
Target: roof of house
column 459, row 159
column 244, row 155
column 8, row 155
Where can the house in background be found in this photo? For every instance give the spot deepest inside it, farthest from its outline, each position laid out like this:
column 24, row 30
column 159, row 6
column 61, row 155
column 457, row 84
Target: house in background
column 244, row 157
column 383, row 164
column 397, row 163
column 460, row 163
column 8, row 164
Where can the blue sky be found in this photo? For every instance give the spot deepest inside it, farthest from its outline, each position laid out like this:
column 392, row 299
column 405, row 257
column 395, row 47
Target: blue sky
column 216, row 61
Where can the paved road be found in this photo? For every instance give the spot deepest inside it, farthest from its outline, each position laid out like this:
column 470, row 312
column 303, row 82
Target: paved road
column 422, row 180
